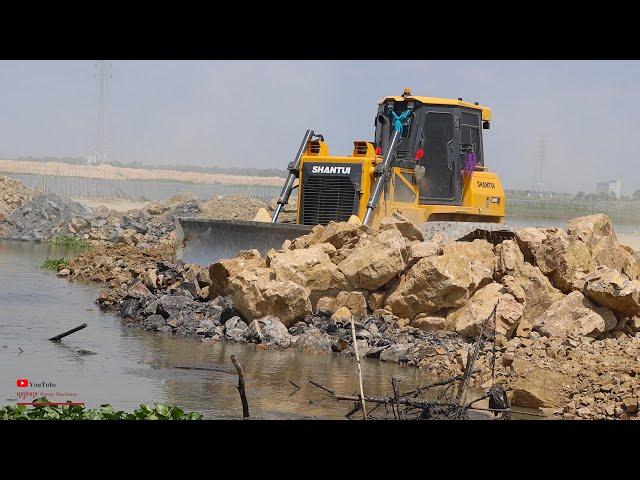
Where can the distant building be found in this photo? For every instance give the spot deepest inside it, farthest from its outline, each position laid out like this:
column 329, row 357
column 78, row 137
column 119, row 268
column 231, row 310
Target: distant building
column 608, row 188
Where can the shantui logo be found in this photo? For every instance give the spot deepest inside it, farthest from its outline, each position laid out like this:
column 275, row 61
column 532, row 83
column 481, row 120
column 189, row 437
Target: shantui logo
column 327, row 169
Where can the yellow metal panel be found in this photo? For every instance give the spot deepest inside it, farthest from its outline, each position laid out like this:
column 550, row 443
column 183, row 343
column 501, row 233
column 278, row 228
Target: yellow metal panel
column 486, row 111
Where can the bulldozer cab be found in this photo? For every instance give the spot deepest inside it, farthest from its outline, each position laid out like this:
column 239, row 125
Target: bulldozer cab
column 439, row 136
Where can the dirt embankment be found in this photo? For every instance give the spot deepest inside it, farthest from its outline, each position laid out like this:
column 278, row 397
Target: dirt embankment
column 121, row 173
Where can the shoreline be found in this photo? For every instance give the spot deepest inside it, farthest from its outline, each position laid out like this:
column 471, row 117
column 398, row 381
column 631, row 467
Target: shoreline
column 565, row 377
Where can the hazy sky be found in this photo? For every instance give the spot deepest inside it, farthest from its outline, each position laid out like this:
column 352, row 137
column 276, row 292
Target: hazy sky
column 254, row 113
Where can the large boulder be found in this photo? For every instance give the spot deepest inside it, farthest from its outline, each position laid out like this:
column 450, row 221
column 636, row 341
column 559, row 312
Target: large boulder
column 573, row 316
column 256, row 295
column 509, row 258
column 469, row 319
column 417, row 250
column 269, row 330
column 597, row 232
column 375, row 261
column 537, row 290
column 356, row 302
column 611, row 289
column 311, row 268
column 445, row 281
column 336, row 233
column 563, row 258
column 536, row 387
column 222, row 270
column 405, row 226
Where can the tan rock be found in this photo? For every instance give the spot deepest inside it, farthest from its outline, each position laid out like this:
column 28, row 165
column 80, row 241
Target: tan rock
column 356, row 302
column 375, row 261
column 512, row 286
column 376, row 300
column 407, row 228
column 509, row 258
column 468, row 319
column 262, row 215
column 354, row 220
column 445, row 281
column 429, row 323
column 150, row 278
column 341, row 315
column 325, row 306
column 311, row 268
column 197, row 272
column 222, row 270
column 539, row 294
column 336, row 233
column 418, row 250
column 613, row 290
column 536, row 387
column 574, row 315
column 255, row 296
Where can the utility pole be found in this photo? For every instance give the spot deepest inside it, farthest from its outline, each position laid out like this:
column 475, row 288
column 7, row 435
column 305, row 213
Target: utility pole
column 541, row 154
column 102, row 74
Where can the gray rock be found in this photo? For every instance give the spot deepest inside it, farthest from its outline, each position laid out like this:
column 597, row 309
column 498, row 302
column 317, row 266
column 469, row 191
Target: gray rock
column 396, row 352
column 235, row 328
column 269, row 330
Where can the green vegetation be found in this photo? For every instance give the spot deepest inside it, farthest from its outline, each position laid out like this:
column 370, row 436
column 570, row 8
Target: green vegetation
column 158, row 411
column 69, row 241
column 54, row 263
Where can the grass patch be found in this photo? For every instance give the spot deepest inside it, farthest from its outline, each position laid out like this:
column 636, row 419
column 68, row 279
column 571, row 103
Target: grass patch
column 54, row 263
column 157, row 411
column 69, row 241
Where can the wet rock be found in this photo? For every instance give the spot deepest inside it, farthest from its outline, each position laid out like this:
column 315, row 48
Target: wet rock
column 64, row 272
column 154, row 322
column 269, row 330
column 235, row 328
column 395, row 353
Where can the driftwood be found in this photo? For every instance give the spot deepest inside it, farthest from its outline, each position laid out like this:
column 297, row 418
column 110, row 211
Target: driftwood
column 207, row 369
column 57, row 338
column 449, row 404
column 240, row 387
column 355, row 348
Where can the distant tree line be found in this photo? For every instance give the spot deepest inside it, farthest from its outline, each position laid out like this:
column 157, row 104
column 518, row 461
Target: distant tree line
column 250, row 172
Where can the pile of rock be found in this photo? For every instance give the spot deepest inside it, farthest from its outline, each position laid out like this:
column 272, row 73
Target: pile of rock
column 13, row 194
column 579, row 282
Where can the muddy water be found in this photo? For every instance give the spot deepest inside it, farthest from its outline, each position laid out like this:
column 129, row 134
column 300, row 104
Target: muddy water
column 110, row 363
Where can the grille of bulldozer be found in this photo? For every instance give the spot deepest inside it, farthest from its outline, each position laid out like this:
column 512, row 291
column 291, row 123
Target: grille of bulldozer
column 326, row 199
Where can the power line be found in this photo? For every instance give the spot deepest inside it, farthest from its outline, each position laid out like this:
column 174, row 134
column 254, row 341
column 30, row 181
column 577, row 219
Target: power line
column 102, row 74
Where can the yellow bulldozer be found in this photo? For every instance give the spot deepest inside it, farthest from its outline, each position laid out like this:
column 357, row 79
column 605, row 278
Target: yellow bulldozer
column 426, row 163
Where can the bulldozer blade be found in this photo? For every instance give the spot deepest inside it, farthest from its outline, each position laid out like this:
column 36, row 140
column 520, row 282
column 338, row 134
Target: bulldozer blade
column 203, row 241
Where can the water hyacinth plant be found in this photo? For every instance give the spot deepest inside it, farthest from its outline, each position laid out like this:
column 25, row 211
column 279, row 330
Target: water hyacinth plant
column 44, row 410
